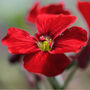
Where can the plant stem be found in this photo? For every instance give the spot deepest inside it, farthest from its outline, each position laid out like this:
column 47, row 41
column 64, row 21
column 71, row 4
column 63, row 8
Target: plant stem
column 54, row 83
column 70, row 76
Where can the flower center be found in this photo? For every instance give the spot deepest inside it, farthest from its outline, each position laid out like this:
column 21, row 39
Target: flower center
column 45, row 43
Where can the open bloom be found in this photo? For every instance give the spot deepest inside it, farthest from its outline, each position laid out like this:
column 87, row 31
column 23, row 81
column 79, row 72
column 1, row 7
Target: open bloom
column 44, row 53
column 84, row 55
column 50, row 9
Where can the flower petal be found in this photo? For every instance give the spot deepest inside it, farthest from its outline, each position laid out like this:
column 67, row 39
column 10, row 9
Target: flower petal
column 45, row 63
column 54, row 9
column 53, row 25
column 71, row 41
column 49, row 9
column 84, row 8
column 32, row 14
column 19, row 41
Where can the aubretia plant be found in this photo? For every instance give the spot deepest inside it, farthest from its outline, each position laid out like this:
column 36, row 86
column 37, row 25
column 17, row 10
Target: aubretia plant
column 44, row 53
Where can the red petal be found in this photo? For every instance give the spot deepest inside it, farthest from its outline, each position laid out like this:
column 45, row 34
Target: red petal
column 53, row 25
column 31, row 16
column 19, row 41
column 84, row 8
column 49, row 9
column 45, row 63
column 54, row 9
column 71, row 41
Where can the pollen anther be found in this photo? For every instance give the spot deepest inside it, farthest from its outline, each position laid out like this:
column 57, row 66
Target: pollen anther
column 45, row 44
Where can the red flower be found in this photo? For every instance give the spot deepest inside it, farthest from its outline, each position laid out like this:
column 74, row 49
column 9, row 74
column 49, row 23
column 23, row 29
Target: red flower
column 50, row 9
column 14, row 58
column 84, row 56
column 84, row 8
column 44, row 53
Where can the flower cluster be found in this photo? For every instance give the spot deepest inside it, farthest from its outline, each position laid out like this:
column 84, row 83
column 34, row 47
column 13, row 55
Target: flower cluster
column 44, row 53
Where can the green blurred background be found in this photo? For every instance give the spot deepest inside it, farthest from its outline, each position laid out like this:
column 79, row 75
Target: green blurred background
column 12, row 14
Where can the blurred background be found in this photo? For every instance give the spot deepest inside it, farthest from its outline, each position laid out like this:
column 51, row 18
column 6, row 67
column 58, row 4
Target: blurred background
column 12, row 76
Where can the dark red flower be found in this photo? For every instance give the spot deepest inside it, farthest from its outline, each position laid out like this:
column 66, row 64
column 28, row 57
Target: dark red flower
column 14, row 58
column 84, row 8
column 50, row 9
column 44, row 53
column 84, row 55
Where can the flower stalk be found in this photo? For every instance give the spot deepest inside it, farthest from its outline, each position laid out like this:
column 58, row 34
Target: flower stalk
column 70, row 76
column 56, row 85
